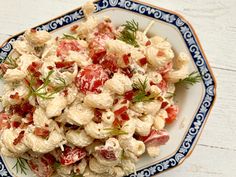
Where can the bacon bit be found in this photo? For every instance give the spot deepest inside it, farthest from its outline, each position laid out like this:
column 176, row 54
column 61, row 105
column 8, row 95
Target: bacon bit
column 73, row 28
column 97, row 116
column 64, row 64
column 120, row 111
column 65, row 92
column 124, row 116
column 115, row 101
column 124, row 101
column 126, row 58
column 105, row 28
column 50, row 159
column 148, row 43
column 33, row 30
column 164, row 104
column 107, row 154
column 109, row 64
column 15, row 96
column 34, row 67
column 160, row 53
column 41, row 132
column 22, row 109
column 15, row 124
column 19, row 138
column 129, row 95
column 4, row 123
column 50, row 67
column 127, row 71
column 162, row 85
column 143, row 61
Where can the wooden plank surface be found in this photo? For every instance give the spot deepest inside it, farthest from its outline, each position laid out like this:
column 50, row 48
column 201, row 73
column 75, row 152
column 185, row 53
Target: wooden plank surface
column 215, row 24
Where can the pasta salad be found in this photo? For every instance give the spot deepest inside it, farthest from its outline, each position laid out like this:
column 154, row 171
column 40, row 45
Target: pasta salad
column 91, row 102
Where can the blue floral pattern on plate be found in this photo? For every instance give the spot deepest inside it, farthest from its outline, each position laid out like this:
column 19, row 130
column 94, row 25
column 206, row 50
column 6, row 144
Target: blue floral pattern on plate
column 194, row 49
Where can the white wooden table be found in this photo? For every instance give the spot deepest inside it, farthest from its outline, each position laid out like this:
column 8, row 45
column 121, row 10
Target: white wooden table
column 215, row 24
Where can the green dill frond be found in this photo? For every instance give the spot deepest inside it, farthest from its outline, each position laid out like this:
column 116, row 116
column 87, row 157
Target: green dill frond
column 128, row 34
column 11, row 62
column 115, row 131
column 69, row 36
column 192, row 79
column 21, row 166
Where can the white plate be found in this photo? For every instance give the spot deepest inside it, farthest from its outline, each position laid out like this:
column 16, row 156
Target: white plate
column 195, row 103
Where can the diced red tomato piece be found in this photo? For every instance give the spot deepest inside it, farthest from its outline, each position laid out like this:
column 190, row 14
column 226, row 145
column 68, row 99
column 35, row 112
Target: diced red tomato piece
column 129, row 95
column 19, row 138
column 91, row 78
column 156, row 137
column 72, row 155
column 41, row 167
column 43, row 132
column 143, row 61
column 64, row 64
column 117, row 122
column 172, row 112
column 124, row 116
column 126, row 58
column 107, row 154
column 97, row 55
column 120, row 110
column 65, row 46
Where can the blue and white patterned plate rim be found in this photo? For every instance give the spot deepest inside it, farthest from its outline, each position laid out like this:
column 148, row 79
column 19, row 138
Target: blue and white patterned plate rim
column 194, row 48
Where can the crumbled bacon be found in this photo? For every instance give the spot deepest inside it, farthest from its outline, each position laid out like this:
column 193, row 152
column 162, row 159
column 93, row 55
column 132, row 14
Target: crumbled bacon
column 22, row 109
column 33, row 30
column 143, row 61
column 64, row 64
column 107, row 154
column 127, row 71
column 19, row 138
column 15, row 96
column 97, row 116
column 73, row 28
column 148, row 43
column 15, row 124
column 50, row 67
column 4, row 121
column 43, row 132
column 49, row 159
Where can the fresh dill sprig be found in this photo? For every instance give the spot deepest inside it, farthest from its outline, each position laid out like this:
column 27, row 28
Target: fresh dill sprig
column 116, row 131
column 40, row 91
column 21, row 165
column 192, row 79
column 11, row 62
column 169, row 95
column 141, row 94
column 69, row 36
column 128, row 34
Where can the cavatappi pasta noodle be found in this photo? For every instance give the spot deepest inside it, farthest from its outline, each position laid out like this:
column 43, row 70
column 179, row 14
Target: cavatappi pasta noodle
column 90, row 102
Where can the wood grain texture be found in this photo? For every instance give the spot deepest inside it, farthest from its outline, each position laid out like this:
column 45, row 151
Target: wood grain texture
column 215, row 24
